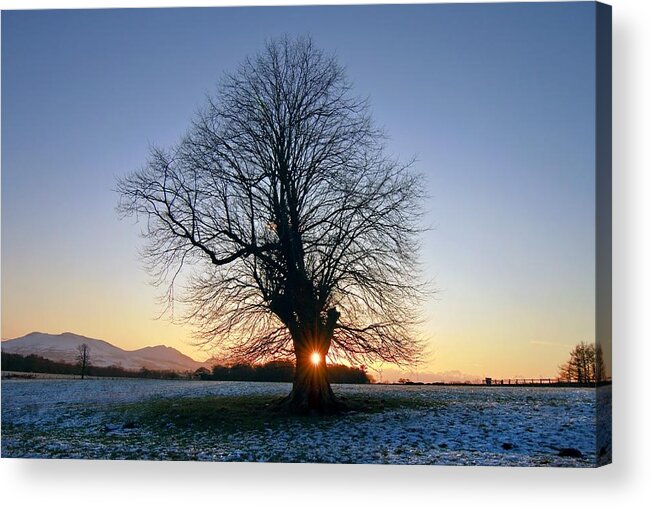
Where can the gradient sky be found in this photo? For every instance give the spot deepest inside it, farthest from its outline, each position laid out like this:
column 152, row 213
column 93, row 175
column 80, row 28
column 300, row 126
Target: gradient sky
column 496, row 101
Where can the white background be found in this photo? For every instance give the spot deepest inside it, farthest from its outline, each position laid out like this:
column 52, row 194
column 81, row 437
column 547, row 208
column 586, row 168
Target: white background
column 627, row 481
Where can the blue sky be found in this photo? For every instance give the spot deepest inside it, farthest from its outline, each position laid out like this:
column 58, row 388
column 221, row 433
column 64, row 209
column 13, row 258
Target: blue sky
column 495, row 100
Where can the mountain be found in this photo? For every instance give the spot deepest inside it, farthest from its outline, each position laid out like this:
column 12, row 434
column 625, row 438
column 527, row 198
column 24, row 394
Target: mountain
column 63, row 347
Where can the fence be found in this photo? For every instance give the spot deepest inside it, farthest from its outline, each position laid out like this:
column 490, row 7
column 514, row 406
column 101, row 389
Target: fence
column 536, row 381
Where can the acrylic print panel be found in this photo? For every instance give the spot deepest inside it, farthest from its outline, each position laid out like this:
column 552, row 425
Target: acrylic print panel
column 338, row 234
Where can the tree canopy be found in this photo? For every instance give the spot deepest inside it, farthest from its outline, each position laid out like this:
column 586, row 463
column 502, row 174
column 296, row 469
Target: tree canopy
column 296, row 229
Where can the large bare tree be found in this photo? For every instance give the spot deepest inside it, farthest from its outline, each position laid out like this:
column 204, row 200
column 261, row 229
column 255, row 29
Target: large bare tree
column 299, row 232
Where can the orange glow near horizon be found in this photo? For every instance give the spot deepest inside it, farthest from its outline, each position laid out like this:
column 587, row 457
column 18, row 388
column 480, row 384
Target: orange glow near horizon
column 483, row 344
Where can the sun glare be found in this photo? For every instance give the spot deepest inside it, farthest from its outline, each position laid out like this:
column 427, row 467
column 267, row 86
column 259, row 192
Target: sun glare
column 315, row 358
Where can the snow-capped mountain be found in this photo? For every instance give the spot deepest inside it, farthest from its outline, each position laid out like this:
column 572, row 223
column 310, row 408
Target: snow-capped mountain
column 63, row 347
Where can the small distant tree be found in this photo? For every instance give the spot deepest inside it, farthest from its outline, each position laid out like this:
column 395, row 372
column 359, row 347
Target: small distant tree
column 585, row 364
column 83, row 359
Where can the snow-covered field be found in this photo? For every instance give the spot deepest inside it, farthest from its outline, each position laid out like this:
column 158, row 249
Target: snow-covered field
column 515, row 426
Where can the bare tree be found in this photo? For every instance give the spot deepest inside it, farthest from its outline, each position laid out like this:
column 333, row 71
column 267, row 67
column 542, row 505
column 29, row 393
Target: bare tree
column 83, row 359
column 585, row 364
column 300, row 233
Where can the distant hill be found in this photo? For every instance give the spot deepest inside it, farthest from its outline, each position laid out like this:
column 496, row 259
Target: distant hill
column 63, row 347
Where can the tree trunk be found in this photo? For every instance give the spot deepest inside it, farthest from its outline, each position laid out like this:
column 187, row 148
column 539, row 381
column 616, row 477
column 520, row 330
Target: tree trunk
column 311, row 392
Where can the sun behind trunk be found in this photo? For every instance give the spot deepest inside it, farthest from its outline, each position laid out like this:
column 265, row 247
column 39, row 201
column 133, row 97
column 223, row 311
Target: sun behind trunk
column 311, row 392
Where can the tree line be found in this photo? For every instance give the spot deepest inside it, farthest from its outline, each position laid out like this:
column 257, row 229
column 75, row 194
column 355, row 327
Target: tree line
column 273, row 371
column 37, row 364
column 281, row 371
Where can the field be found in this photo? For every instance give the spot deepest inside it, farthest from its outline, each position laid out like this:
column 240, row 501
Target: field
column 230, row 421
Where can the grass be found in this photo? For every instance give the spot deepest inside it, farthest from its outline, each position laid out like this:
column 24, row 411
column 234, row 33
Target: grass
column 381, row 426
column 225, row 414
column 229, row 414
column 169, row 428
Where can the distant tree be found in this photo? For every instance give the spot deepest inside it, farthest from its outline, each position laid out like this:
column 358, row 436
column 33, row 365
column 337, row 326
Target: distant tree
column 342, row 374
column 220, row 372
column 276, row 371
column 300, row 232
column 585, row 364
column 83, row 359
column 145, row 373
column 202, row 373
column 242, row 372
